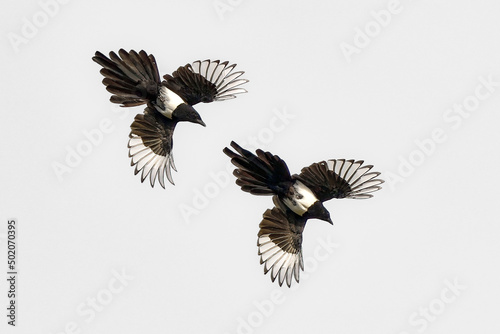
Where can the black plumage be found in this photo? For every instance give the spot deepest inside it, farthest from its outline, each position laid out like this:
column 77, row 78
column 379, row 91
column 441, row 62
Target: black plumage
column 297, row 198
column 133, row 80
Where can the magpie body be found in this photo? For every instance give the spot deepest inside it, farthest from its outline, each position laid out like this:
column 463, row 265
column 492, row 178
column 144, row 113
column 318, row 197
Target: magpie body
column 296, row 198
column 133, row 79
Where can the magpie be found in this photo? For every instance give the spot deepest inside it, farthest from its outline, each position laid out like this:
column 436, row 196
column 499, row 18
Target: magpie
column 296, row 199
column 133, row 80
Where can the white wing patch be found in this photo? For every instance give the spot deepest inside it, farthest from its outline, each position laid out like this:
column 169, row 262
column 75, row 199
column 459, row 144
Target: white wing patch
column 152, row 164
column 222, row 76
column 168, row 102
column 283, row 265
column 303, row 198
column 359, row 177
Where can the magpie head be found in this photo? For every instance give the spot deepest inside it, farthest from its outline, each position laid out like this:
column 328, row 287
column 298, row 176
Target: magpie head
column 318, row 211
column 186, row 113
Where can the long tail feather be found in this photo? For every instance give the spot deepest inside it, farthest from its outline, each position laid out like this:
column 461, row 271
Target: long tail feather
column 261, row 174
column 131, row 77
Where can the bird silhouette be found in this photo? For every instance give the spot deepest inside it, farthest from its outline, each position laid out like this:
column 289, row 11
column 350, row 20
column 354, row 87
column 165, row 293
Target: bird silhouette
column 296, row 199
column 133, row 79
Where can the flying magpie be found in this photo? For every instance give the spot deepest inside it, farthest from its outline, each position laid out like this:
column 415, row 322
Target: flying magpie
column 134, row 80
column 296, row 198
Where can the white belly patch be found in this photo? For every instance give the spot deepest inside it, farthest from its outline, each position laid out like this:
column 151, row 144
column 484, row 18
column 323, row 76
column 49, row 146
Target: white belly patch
column 302, row 199
column 168, row 101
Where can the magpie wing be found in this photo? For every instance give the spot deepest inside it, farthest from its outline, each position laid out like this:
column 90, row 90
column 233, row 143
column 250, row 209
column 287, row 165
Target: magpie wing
column 340, row 178
column 206, row 81
column 280, row 243
column 150, row 147
column 131, row 77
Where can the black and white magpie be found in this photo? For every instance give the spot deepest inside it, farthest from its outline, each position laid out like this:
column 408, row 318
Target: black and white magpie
column 134, row 80
column 297, row 198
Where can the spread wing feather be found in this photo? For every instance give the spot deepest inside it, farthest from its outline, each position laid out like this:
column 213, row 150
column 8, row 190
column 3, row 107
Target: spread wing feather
column 206, row 81
column 340, row 178
column 150, row 147
column 280, row 243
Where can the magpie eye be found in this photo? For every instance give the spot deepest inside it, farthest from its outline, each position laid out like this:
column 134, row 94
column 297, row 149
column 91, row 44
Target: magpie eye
column 133, row 80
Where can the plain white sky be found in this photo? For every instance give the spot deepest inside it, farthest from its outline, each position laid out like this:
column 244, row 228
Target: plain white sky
column 411, row 87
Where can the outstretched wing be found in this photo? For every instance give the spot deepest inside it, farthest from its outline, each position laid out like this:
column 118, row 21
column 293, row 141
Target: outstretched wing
column 150, row 147
column 206, row 81
column 340, row 179
column 261, row 174
column 131, row 77
column 280, row 243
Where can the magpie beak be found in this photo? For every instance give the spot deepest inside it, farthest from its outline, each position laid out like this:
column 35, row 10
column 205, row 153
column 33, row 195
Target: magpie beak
column 296, row 199
column 133, row 80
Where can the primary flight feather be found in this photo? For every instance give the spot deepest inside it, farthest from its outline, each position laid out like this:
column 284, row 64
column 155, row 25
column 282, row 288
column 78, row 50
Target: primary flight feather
column 133, row 80
column 296, row 199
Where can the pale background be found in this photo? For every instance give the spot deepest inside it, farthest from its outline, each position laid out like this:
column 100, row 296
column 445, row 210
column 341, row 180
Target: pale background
column 201, row 274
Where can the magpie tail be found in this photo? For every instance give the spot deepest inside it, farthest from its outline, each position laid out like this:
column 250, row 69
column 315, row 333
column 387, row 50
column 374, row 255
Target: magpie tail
column 131, row 77
column 261, row 174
